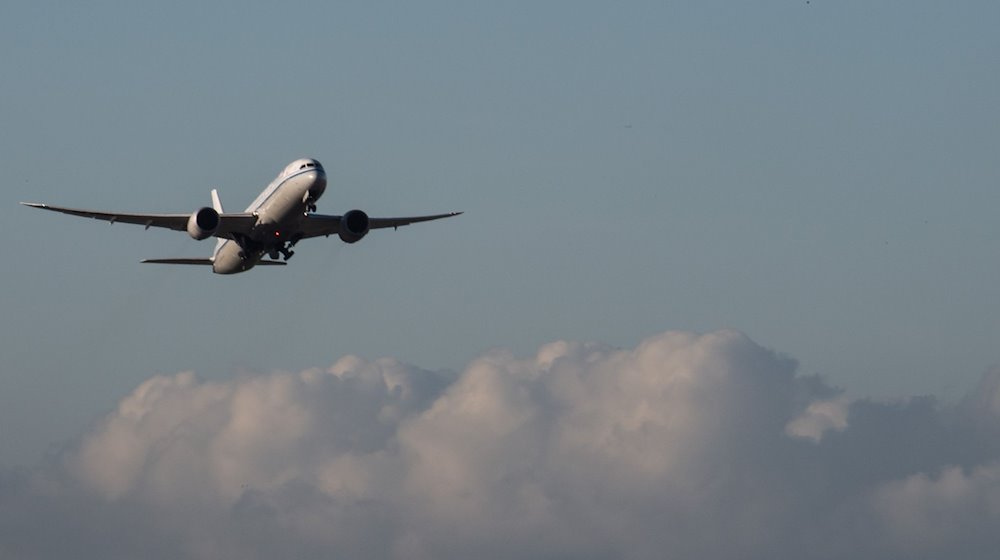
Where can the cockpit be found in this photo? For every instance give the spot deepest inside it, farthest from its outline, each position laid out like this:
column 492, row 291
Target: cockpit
column 301, row 165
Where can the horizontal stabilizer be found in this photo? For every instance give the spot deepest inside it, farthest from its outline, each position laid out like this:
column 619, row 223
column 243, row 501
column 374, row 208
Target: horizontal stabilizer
column 177, row 261
column 205, row 261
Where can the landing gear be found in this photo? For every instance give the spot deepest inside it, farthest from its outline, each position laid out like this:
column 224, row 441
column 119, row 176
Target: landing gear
column 284, row 249
column 310, row 207
column 274, row 247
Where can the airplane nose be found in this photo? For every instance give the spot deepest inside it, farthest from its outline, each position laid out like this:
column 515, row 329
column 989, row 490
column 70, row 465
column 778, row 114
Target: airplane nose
column 317, row 185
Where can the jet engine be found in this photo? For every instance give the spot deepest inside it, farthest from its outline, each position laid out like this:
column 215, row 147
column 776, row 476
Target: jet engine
column 203, row 223
column 353, row 226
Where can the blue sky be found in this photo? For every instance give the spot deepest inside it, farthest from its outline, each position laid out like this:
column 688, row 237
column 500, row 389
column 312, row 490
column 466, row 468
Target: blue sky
column 820, row 176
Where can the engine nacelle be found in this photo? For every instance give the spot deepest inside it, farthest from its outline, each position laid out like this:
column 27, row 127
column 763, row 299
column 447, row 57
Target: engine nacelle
column 353, row 226
column 203, row 223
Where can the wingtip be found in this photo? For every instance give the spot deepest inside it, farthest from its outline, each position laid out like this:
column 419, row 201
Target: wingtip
column 33, row 204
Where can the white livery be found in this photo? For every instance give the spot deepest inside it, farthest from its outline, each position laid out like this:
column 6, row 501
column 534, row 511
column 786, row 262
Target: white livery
column 280, row 217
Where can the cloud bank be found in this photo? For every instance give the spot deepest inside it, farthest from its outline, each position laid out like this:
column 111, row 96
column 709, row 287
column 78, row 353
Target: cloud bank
column 687, row 446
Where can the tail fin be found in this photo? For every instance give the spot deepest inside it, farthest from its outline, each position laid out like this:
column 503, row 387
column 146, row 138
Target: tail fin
column 217, row 205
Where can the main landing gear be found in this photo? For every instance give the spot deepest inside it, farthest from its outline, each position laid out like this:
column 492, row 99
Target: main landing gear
column 272, row 248
column 284, row 249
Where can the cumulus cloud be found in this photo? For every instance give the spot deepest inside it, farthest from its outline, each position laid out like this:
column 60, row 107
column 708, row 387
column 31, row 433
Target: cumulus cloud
column 819, row 417
column 687, row 446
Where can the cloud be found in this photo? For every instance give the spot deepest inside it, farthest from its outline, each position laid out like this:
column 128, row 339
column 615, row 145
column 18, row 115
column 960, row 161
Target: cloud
column 819, row 417
column 942, row 513
column 687, row 446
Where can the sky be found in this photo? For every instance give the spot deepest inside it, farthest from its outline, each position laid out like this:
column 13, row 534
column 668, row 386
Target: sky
column 777, row 219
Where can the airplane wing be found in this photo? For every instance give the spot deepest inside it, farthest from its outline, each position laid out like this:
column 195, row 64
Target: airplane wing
column 316, row 225
column 228, row 223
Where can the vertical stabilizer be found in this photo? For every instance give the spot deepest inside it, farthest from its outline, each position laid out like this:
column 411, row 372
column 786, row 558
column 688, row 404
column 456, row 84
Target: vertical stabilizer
column 216, row 203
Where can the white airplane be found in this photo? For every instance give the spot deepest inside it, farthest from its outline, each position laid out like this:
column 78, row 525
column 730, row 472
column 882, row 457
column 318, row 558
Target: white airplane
column 280, row 217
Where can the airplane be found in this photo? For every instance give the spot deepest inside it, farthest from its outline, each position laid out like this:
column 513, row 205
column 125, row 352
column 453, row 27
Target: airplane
column 281, row 216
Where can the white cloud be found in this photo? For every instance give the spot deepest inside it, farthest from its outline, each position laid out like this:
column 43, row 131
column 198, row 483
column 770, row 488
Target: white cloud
column 925, row 513
column 688, row 446
column 819, row 417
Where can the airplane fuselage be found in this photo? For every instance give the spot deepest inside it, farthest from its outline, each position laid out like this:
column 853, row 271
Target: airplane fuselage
column 279, row 209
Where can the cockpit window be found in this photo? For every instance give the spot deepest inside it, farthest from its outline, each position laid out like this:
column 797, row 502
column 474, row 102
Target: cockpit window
column 305, row 165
